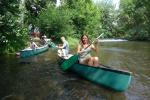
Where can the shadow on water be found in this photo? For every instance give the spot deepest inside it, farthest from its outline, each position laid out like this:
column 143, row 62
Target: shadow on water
column 40, row 78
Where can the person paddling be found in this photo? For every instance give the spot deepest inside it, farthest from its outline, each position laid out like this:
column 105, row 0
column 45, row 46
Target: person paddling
column 84, row 50
column 64, row 49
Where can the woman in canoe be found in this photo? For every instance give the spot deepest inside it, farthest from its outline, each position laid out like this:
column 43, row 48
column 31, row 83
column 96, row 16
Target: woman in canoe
column 84, row 49
column 64, row 49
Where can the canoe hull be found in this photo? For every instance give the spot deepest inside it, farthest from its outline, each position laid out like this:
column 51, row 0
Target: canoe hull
column 118, row 80
column 29, row 53
column 114, row 79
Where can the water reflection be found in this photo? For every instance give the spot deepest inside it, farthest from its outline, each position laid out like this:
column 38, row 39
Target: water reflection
column 132, row 56
column 40, row 78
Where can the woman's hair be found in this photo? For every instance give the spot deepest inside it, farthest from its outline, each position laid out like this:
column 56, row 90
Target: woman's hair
column 81, row 42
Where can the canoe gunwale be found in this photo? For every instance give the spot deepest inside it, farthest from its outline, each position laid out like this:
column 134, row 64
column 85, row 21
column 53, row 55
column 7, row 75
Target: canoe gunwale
column 114, row 69
column 108, row 69
column 104, row 67
column 33, row 52
column 34, row 49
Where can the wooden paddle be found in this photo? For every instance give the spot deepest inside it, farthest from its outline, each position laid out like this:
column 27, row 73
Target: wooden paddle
column 72, row 60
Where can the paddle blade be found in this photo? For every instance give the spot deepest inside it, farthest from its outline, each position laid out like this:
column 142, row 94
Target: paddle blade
column 69, row 62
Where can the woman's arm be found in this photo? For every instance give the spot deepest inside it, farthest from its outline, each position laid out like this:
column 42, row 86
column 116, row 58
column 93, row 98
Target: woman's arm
column 78, row 49
column 95, row 46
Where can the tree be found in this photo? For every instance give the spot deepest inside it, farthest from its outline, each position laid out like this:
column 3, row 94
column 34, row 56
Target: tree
column 11, row 34
column 55, row 21
column 85, row 17
column 71, row 18
column 134, row 19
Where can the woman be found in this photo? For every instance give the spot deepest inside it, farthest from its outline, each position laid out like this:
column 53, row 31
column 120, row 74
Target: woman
column 84, row 49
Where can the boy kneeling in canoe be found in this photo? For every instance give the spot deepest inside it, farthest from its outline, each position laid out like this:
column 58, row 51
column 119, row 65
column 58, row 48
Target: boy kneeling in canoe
column 64, row 49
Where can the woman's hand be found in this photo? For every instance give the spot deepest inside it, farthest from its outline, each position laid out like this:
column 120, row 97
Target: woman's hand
column 96, row 43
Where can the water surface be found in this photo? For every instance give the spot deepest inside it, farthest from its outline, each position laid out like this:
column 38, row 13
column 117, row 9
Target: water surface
column 40, row 78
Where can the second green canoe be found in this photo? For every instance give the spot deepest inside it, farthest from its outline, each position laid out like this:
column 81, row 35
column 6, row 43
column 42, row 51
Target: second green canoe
column 30, row 52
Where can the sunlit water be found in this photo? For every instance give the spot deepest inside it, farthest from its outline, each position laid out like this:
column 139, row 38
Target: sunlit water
column 40, row 78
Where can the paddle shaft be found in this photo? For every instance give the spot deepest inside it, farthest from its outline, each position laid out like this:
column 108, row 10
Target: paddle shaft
column 94, row 41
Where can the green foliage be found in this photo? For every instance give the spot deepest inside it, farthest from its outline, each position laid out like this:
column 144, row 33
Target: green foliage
column 86, row 17
column 134, row 19
column 109, row 17
column 34, row 7
column 71, row 19
column 73, row 42
column 55, row 21
column 11, row 34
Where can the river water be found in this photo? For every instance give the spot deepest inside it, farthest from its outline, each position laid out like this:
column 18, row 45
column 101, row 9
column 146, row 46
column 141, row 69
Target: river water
column 40, row 78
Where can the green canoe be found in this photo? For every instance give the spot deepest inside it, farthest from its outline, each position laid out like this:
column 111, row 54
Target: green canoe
column 50, row 43
column 28, row 52
column 115, row 79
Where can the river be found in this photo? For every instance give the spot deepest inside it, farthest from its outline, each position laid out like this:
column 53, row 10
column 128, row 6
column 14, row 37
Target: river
column 40, row 78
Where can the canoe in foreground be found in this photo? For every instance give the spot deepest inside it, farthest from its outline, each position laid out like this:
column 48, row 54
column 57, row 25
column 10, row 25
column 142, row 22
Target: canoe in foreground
column 117, row 80
column 30, row 52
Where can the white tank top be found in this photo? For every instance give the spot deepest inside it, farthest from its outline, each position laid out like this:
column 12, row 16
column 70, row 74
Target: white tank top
column 86, row 52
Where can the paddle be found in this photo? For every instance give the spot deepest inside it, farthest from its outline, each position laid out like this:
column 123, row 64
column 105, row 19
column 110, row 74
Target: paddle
column 72, row 60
